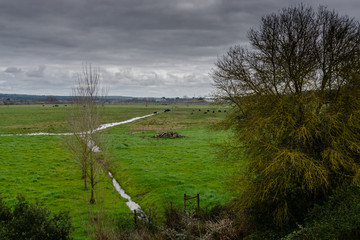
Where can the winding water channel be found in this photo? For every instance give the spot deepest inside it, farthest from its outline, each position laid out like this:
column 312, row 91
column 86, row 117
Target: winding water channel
column 101, row 127
column 131, row 204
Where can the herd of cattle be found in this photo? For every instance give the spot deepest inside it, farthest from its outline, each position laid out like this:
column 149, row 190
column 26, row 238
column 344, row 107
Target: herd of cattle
column 205, row 112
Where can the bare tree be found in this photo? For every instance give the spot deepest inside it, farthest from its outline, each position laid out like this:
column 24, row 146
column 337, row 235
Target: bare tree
column 85, row 119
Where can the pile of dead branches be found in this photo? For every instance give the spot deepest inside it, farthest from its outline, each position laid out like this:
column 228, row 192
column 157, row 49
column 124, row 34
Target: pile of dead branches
column 168, row 135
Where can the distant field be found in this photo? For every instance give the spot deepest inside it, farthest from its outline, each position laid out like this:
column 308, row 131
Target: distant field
column 152, row 171
column 48, row 118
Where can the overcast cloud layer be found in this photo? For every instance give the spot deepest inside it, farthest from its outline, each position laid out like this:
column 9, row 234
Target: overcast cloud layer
column 145, row 48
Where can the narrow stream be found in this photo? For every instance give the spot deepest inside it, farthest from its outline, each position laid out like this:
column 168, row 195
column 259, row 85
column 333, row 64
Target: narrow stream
column 131, row 204
column 102, row 127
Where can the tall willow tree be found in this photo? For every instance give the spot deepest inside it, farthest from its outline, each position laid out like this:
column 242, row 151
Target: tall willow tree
column 296, row 110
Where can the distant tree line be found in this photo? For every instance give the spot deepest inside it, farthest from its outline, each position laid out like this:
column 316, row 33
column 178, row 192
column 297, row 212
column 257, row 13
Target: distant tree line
column 19, row 99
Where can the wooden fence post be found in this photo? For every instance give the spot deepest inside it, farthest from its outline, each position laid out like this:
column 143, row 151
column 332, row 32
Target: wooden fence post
column 149, row 214
column 188, row 198
column 184, row 202
column 198, row 202
column 135, row 218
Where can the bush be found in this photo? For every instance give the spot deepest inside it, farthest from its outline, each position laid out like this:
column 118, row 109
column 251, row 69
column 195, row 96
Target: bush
column 32, row 221
column 203, row 224
column 337, row 218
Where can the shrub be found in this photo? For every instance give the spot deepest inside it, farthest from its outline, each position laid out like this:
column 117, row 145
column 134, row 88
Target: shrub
column 32, row 221
column 203, row 224
column 337, row 218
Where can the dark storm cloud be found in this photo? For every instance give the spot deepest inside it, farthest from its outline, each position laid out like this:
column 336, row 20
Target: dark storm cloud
column 142, row 46
column 13, row 70
column 36, row 73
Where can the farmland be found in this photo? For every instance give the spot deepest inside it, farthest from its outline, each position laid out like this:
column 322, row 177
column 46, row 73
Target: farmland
column 153, row 171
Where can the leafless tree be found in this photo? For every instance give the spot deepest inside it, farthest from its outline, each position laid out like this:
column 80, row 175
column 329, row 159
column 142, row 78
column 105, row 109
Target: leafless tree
column 85, row 119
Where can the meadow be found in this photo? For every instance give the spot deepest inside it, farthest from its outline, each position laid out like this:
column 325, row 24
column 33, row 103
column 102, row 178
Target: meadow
column 153, row 171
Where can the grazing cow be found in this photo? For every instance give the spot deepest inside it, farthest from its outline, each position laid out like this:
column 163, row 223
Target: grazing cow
column 167, row 110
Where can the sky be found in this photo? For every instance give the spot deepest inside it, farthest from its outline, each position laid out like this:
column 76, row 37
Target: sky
column 142, row 48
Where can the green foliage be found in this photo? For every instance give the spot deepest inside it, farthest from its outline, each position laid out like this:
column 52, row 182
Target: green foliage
column 296, row 111
column 29, row 221
column 337, row 218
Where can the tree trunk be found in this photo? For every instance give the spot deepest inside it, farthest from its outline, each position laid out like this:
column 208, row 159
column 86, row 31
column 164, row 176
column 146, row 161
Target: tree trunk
column 92, row 180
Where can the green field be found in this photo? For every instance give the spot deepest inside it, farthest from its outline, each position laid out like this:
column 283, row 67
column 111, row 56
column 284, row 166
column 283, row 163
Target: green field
column 39, row 167
column 47, row 118
column 153, row 171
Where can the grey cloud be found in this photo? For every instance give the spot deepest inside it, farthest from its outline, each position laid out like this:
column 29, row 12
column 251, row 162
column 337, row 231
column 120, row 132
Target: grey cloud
column 13, row 70
column 36, row 73
column 165, row 43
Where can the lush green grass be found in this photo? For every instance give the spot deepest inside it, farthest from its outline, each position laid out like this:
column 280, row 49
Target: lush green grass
column 47, row 118
column 39, row 167
column 155, row 171
column 33, row 118
column 152, row 171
